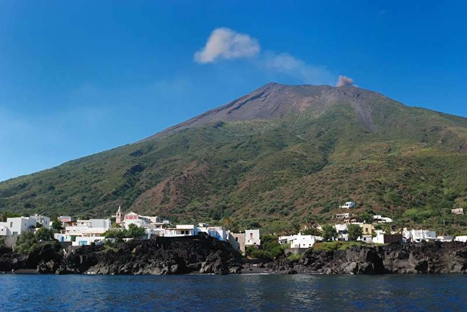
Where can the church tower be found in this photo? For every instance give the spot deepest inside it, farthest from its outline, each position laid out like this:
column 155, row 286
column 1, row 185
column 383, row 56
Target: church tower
column 118, row 216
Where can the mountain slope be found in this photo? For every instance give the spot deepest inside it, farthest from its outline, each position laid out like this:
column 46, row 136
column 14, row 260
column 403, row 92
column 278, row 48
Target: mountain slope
column 279, row 156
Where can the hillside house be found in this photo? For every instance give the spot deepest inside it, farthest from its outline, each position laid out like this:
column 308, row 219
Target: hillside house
column 381, row 219
column 343, row 216
column 457, row 211
column 383, row 238
column 419, row 235
column 252, row 238
column 461, row 238
column 348, row 205
column 237, row 241
column 18, row 225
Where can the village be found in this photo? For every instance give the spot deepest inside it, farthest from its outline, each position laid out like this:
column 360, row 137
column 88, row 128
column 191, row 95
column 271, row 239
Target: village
column 77, row 232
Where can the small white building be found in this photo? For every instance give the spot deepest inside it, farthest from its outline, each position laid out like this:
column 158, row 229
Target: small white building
column 381, row 219
column 42, row 220
column 252, row 238
column 181, row 230
column 88, row 228
column 348, row 205
column 461, row 238
column 342, row 232
column 86, row 241
column 419, row 235
column 457, row 211
column 445, row 238
column 18, row 225
column 343, row 216
column 303, row 241
column 218, row 232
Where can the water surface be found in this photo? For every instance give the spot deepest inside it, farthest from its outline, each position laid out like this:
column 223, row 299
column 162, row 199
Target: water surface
column 233, row 293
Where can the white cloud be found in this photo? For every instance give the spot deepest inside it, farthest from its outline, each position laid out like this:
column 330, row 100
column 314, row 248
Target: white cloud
column 227, row 44
column 287, row 64
column 344, row 81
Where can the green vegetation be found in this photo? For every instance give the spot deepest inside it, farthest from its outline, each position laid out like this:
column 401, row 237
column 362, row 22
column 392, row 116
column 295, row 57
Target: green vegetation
column 329, row 232
column 272, row 173
column 26, row 242
column 337, row 245
column 355, row 231
column 270, row 249
column 293, row 257
column 133, row 231
column 45, row 235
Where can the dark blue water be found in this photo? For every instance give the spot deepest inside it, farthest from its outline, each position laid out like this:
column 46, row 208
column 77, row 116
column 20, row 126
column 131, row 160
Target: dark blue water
column 233, row 293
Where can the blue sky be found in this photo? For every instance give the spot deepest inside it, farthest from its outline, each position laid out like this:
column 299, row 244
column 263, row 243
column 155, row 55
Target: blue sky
column 80, row 77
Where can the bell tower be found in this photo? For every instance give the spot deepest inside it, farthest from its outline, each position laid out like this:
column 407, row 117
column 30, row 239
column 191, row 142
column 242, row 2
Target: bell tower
column 118, row 216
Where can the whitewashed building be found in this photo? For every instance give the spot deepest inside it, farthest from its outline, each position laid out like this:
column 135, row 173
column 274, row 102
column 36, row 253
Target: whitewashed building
column 457, row 211
column 252, row 238
column 303, row 241
column 17, row 225
column 181, row 230
column 348, row 205
column 419, row 235
column 461, row 238
column 445, row 238
column 381, row 219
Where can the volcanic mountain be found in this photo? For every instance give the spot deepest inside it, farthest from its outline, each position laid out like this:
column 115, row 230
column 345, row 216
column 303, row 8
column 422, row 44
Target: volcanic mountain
column 278, row 157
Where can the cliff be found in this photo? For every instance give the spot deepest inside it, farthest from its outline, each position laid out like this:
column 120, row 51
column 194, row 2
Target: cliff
column 397, row 258
column 160, row 256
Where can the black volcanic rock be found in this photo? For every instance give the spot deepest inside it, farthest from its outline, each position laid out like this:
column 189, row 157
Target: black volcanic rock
column 396, row 258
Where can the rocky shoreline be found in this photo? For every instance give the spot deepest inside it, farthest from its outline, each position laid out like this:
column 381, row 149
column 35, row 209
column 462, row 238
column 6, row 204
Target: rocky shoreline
column 206, row 255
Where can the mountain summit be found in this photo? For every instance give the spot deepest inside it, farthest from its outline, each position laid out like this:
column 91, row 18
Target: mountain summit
column 277, row 157
column 275, row 101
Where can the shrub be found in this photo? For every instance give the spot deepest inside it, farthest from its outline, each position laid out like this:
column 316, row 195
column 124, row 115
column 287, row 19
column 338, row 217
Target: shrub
column 43, row 234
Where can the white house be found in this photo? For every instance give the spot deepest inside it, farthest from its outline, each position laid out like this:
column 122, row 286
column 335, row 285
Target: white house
column 16, row 226
column 348, row 205
column 381, row 219
column 283, row 240
column 462, row 238
column 88, row 228
column 342, row 233
column 457, row 211
column 42, row 220
column 343, row 216
column 252, row 238
column 419, row 235
column 218, row 232
column 445, row 238
column 303, row 241
column 4, row 229
column 86, row 241
column 181, row 230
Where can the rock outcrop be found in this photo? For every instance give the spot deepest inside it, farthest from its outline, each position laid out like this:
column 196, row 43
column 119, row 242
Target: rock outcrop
column 397, row 258
column 160, row 256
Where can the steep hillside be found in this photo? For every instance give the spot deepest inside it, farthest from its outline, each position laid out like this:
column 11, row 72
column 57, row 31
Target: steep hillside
column 280, row 156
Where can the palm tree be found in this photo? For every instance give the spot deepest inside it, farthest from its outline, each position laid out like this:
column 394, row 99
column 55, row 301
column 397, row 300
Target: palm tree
column 3, row 216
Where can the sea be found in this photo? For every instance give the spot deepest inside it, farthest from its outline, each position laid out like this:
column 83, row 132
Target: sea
column 233, row 293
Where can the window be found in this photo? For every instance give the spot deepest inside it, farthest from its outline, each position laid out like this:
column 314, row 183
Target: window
column 11, row 224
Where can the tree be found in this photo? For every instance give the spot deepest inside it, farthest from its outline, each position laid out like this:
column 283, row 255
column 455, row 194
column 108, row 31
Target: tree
column 26, row 242
column 366, row 217
column 45, row 235
column 118, row 234
column 57, row 226
column 312, row 231
column 329, row 232
column 135, row 231
column 355, row 231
